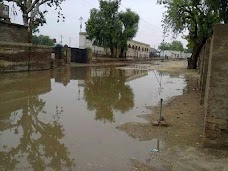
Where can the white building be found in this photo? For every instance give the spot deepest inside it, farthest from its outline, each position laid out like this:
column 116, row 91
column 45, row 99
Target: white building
column 135, row 49
column 175, row 54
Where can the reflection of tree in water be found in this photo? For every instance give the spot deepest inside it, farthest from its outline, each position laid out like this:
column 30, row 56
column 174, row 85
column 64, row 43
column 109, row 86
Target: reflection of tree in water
column 40, row 141
column 170, row 74
column 105, row 94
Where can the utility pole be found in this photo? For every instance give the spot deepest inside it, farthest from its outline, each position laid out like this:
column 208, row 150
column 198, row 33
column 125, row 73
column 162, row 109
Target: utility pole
column 163, row 42
column 80, row 23
column 70, row 42
column 61, row 42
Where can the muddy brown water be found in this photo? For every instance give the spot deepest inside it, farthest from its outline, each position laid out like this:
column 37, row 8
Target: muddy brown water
column 66, row 119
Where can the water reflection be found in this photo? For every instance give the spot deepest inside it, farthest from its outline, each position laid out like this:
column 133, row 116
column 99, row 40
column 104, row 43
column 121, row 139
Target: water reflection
column 170, row 74
column 107, row 92
column 105, row 89
column 49, row 119
column 37, row 134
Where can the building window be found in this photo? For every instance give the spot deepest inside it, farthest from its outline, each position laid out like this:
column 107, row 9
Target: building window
column 133, row 47
column 142, row 49
column 139, row 48
column 136, row 47
column 129, row 46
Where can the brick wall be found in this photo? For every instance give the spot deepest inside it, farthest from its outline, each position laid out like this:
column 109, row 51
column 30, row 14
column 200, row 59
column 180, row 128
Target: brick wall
column 13, row 32
column 24, row 57
column 214, row 88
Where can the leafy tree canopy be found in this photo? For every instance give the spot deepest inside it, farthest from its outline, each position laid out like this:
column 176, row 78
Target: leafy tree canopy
column 111, row 28
column 220, row 6
column 174, row 45
column 43, row 40
column 130, row 21
column 195, row 16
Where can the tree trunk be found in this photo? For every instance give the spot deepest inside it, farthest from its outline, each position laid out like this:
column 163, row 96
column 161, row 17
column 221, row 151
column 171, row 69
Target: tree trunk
column 29, row 25
column 25, row 19
column 192, row 62
column 29, row 35
column 122, row 53
column 112, row 52
column 116, row 54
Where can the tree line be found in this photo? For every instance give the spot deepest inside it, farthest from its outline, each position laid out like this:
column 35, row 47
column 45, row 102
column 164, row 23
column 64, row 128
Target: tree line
column 112, row 29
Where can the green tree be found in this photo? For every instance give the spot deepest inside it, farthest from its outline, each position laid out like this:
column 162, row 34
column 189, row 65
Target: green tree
column 33, row 15
column 42, row 40
column 220, row 6
column 104, row 25
column 174, row 45
column 187, row 50
column 194, row 16
column 177, row 45
column 110, row 28
column 130, row 22
column 164, row 46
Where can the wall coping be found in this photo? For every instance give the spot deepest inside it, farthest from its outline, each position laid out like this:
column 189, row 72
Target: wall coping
column 135, row 41
column 13, row 24
column 24, row 45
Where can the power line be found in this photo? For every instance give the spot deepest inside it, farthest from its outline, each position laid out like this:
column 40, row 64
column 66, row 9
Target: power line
column 147, row 27
column 86, row 4
column 144, row 23
column 151, row 24
column 90, row 3
column 145, row 20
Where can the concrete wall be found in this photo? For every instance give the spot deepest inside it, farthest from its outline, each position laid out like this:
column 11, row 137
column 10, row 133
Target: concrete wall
column 24, row 57
column 175, row 54
column 214, row 88
column 13, row 32
column 204, row 59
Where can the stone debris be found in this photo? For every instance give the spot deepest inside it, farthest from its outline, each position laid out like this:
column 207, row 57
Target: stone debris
column 162, row 122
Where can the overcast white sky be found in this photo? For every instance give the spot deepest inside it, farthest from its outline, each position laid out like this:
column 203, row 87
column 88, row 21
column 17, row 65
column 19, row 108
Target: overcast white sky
column 150, row 30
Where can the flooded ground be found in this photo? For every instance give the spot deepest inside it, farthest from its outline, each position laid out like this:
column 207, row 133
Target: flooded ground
column 66, row 119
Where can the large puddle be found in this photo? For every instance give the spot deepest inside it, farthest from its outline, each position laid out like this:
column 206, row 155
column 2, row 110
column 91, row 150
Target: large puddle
column 66, row 119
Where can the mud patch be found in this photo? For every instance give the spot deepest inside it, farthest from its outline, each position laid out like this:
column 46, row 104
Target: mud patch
column 183, row 137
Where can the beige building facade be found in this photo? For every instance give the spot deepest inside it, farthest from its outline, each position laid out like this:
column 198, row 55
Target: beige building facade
column 135, row 49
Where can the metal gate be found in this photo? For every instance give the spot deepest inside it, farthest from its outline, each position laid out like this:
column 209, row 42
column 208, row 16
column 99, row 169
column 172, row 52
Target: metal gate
column 58, row 52
column 78, row 55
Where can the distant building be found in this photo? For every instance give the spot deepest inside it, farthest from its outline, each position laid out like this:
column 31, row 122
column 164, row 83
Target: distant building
column 154, row 53
column 174, row 54
column 135, row 49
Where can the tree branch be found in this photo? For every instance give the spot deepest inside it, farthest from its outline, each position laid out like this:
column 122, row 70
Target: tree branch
column 32, row 6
